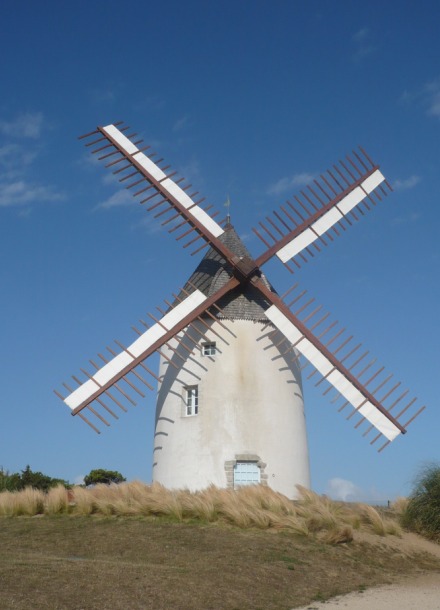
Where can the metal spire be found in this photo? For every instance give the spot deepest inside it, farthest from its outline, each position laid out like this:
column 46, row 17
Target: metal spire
column 228, row 215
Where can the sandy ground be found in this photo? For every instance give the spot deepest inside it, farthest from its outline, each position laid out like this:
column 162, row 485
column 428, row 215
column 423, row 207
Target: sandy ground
column 422, row 593
column 415, row 593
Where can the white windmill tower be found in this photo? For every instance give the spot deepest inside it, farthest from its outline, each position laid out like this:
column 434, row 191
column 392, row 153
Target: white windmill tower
column 230, row 408
column 231, row 413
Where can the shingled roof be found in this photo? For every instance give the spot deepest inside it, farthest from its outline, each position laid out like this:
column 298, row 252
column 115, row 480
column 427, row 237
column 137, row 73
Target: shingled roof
column 243, row 303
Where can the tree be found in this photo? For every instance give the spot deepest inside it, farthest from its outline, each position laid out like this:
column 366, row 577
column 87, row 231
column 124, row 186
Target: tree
column 9, row 482
column 27, row 478
column 100, row 475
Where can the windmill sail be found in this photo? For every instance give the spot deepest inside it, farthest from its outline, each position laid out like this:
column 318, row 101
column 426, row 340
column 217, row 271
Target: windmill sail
column 336, row 360
column 181, row 315
column 321, row 209
column 165, row 195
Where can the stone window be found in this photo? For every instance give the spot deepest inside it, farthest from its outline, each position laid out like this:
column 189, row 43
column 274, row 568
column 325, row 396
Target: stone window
column 245, row 461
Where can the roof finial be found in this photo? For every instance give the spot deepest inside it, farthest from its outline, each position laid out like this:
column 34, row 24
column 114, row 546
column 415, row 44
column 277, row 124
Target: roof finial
column 228, row 215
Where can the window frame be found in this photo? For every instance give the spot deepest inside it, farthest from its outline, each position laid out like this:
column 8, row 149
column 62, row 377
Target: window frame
column 238, row 482
column 191, row 400
column 209, row 348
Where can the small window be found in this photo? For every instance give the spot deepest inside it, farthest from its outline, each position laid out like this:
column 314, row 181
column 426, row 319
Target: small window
column 209, row 349
column 191, row 397
column 246, row 473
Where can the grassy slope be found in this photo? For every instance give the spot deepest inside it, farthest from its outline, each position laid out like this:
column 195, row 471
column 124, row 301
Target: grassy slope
column 75, row 563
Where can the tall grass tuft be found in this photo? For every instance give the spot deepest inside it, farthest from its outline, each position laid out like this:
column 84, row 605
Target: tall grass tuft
column 27, row 502
column 372, row 519
column 7, row 504
column 248, row 507
column 56, row 500
column 400, row 505
column 83, row 502
column 422, row 514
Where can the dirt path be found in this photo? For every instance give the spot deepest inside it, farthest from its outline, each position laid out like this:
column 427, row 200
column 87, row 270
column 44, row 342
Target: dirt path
column 414, row 593
column 422, row 593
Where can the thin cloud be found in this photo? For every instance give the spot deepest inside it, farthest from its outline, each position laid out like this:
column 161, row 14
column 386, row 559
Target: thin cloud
column 150, row 225
column 342, row 489
column 434, row 107
column 102, row 96
column 347, row 491
column 362, row 43
column 109, row 179
column 407, row 183
column 290, row 183
column 118, row 199
column 25, row 212
column 17, row 189
column 427, row 96
column 191, row 171
column 360, row 36
column 431, row 97
column 13, row 158
column 181, row 123
column 433, row 91
column 21, row 192
column 28, row 125
column 410, row 218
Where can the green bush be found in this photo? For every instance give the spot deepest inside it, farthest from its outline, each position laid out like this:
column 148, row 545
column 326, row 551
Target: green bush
column 422, row 514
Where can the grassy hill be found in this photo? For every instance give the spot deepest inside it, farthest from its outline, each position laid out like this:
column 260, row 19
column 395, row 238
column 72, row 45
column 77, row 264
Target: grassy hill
column 95, row 562
column 136, row 563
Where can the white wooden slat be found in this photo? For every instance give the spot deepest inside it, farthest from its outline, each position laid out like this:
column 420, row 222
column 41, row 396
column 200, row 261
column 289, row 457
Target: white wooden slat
column 379, row 421
column 313, row 355
column 181, row 310
column 296, row 245
column 346, row 388
column 294, row 335
column 326, row 221
column 367, row 410
column 284, row 325
column 147, row 338
column 150, row 166
column 207, row 221
column 112, row 368
column 80, row 394
column 373, row 181
column 122, row 140
column 174, row 189
column 351, row 200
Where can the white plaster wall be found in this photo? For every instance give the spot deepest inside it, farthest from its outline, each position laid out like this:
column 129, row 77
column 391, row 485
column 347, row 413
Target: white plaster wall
column 250, row 402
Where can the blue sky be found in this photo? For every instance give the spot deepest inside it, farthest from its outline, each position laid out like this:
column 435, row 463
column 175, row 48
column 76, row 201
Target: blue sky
column 248, row 99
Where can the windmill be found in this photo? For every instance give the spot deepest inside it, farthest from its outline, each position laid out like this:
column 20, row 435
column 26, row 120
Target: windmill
column 232, row 351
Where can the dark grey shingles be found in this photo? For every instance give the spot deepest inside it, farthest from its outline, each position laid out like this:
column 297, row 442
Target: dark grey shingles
column 245, row 302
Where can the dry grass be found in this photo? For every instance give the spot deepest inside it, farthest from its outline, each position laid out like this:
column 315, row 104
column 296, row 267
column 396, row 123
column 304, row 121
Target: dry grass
column 28, row 502
column 249, row 507
column 148, row 563
column 400, row 505
column 377, row 523
column 56, row 500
